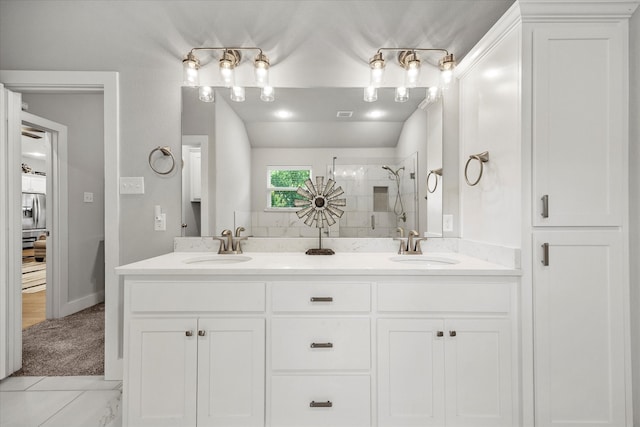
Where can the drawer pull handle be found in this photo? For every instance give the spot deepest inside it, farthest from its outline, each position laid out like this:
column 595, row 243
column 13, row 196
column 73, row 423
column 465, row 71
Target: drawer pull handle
column 321, row 299
column 188, row 333
column 321, row 345
column 327, row 404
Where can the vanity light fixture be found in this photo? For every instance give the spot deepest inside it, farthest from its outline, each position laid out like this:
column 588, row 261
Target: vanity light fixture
column 409, row 60
column 230, row 58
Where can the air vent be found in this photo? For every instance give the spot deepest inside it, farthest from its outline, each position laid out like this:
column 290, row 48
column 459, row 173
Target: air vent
column 344, row 114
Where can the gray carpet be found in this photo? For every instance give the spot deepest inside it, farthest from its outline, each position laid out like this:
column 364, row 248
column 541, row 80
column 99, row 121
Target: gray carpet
column 72, row 345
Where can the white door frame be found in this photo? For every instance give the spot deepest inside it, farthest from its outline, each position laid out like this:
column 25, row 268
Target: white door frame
column 107, row 82
column 57, row 223
column 201, row 141
column 10, row 234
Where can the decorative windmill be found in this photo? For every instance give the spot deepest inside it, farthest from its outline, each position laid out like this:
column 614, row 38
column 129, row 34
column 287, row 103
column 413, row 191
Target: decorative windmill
column 319, row 207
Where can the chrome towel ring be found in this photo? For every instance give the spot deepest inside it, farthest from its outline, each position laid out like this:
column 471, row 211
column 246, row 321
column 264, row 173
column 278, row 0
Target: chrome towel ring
column 166, row 151
column 482, row 158
column 435, row 173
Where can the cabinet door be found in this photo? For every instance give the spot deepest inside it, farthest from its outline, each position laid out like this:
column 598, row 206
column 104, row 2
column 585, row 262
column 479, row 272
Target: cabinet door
column 579, row 329
column 162, row 371
column 410, row 373
column 478, row 372
column 578, row 124
column 231, row 372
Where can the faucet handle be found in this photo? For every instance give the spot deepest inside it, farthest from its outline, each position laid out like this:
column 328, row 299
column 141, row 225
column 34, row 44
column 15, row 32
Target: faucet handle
column 417, row 248
column 223, row 244
column 403, row 244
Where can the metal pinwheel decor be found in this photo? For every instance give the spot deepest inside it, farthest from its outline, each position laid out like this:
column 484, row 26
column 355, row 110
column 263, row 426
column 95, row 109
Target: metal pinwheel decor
column 319, row 206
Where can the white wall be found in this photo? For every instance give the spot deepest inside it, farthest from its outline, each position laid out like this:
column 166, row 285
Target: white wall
column 232, row 151
column 634, row 211
column 490, row 121
column 431, row 206
column 83, row 115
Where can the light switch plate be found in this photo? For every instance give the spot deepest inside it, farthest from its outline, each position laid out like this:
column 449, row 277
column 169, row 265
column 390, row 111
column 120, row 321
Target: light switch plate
column 447, row 222
column 131, row 185
column 88, row 197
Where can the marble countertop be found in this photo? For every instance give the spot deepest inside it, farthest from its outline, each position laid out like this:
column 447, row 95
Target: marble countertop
column 287, row 263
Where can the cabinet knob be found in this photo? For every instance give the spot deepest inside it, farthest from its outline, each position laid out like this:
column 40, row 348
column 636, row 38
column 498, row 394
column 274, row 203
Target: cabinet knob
column 452, row 333
column 327, row 404
column 440, row 334
column 321, row 299
column 188, row 333
column 202, row 333
column 321, row 345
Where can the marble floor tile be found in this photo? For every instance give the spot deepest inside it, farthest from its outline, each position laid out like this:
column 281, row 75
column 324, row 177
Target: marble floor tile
column 94, row 408
column 32, row 408
column 18, row 383
column 75, row 383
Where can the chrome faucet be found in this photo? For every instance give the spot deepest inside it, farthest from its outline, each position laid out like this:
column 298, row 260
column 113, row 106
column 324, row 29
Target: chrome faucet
column 413, row 243
column 237, row 248
column 226, row 242
column 403, row 241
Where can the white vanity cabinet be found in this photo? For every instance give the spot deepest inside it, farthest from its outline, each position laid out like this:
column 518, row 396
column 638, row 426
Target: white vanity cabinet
column 445, row 354
column 320, row 341
column 194, row 354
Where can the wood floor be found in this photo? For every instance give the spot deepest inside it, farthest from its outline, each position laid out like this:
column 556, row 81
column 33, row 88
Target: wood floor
column 33, row 308
column 33, row 303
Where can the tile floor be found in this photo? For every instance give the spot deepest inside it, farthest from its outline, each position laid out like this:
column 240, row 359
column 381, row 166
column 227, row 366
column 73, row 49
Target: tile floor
column 60, row 402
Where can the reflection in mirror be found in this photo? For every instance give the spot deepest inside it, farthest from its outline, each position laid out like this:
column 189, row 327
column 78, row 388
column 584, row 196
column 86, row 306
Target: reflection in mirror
column 380, row 153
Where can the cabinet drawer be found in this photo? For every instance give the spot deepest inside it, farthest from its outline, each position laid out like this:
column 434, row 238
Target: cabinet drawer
column 196, row 296
column 445, row 297
column 320, row 344
column 321, row 297
column 292, row 396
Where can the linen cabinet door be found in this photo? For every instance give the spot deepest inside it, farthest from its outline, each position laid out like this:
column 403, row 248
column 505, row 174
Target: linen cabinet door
column 231, row 372
column 578, row 125
column 162, row 372
column 579, row 328
column 478, row 373
column 410, row 372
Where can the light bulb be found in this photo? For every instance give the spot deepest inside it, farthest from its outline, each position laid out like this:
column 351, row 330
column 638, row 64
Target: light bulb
column 227, row 73
column 205, row 94
column 267, row 94
column 402, row 94
column 446, row 76
column 190, row 66
column 237, row 94
column 412, row 73
column 432, row 93
column 376, row 64
column 370, row 94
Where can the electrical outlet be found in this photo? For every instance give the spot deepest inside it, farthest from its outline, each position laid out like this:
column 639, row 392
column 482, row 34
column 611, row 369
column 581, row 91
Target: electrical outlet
column 160, row 222
column 88, row 197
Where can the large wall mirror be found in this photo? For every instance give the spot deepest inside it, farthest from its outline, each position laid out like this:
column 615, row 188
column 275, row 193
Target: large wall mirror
column 243, row 160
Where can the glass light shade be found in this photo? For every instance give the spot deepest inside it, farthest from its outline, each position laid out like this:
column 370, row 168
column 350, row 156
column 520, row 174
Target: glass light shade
column 267, row 94
column 376, row 76
column 237, row 94
column 402, row 94
column 370, row 94
column 205, row 94
column 446, row 76
column 412, row 73
column 432, row 93
column 190, row 72
column 227, row 73
column 261, row 69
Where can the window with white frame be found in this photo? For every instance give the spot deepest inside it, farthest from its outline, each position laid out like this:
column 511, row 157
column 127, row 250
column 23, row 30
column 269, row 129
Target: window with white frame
column 282, row 184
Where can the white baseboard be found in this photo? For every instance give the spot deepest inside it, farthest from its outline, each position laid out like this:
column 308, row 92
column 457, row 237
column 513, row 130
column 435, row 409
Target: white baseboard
column 81, row 303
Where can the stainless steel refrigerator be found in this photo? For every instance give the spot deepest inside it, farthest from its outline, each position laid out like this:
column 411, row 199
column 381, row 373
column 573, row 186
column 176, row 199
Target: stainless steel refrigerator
column 34, row 210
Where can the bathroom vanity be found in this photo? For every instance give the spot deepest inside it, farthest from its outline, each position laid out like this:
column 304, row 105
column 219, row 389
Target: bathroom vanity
column 286, row 339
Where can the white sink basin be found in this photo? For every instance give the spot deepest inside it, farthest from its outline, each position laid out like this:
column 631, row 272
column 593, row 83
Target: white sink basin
column 217, row 259
column 425, row 260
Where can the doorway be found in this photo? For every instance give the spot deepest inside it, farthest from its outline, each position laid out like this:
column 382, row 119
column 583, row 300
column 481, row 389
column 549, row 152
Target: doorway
column 35, row 163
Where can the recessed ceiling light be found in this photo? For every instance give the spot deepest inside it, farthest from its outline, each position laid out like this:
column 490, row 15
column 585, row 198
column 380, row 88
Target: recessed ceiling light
column 283, row 114
column 375, row 114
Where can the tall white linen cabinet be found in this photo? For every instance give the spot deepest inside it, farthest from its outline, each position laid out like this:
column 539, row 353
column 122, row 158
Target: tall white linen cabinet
column 556, row 74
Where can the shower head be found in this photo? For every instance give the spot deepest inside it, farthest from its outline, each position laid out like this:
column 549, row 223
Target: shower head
column 395, row 173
